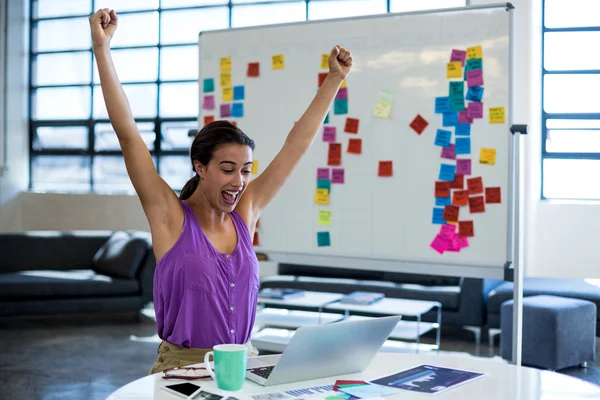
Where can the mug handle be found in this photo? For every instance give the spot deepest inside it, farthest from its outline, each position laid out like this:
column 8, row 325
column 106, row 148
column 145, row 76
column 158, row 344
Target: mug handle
column 207, row 364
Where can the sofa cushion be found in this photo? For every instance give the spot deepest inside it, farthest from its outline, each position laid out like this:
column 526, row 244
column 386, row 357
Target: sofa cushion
column 419, row 279
column 121, row 255
column 41, row 284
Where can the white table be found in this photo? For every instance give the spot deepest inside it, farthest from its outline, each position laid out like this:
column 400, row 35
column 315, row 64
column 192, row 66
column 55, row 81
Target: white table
column 309, row 300
column 502, row 382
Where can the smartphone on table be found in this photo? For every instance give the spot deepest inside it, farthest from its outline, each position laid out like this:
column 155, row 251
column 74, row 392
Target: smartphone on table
column 184, row 390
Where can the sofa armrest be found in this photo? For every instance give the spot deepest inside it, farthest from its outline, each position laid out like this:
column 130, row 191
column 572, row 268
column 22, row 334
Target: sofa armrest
column 145, row 277
column 123, row 254
column 473, row 299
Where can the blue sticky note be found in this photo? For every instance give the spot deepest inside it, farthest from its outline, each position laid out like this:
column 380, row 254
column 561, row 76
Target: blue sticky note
column 463, row 130
column 443, row 201
column 457, row 104
column 462, row 146
column 438, row 216
column 447, row 172
column 209, row 85
column 475, row 93
column 238, row 93
column 442, row 138
column 324, row 184
column 340, row 106
column 323, row 239
column 442, row 104
column 473, row 63
column 450, row 119
column 237, row 109
column 326, row 119
column 456, row 90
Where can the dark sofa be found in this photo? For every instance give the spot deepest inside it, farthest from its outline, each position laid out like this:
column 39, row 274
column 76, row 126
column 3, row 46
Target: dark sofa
column 48, row 272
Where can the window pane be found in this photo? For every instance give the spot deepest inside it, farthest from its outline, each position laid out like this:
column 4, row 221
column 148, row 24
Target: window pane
column 571, row 50
column 179, row 99
column 573, row 141
column 255, row 1
column 110, row 175
column 573, row 123
column 139, row 65
column 175, row 135
column 416, row 5
column 176, row 170
column 571, row 93
column 63, row 34
column 571, row 179
column 62, row 103
column 61, row 137
column 345, row 8
column 61, row 8
column 184, row 26
column 106, row 138
column 190, row 3
column 142, row 99
column 126, row 5
column 62, row 69
column 571, row 13
column 179, row 63
column 61, row 173
column 136, row 30
column 264, row 14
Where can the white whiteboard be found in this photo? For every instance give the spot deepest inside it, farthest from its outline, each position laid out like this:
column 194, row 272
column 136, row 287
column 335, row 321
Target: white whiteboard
column 379, row 223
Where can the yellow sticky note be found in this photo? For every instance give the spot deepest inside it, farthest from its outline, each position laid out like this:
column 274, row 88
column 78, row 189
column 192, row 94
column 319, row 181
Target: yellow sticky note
column 474, row 52
column 228, row 94
column 454, row 69
column 254, row 167
column 324, row 61
column 452, row 222
column 343, row 84
column 497, row 115
column 322, row 196
column 487, row 156
column 225, row 64
column 383, row 110
column 278, row 61
column 324, row 217
column 225, row 79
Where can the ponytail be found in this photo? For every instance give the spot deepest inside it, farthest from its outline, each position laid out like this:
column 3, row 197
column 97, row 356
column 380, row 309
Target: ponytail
column 189, row 188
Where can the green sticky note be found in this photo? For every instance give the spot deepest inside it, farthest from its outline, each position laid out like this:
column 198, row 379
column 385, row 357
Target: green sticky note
column 326, row 119
column 473, row 63
column 340, row 106
column 456, row 90
column 324, row 184
column 209, row 85
column 457, row 104
column 323, row 239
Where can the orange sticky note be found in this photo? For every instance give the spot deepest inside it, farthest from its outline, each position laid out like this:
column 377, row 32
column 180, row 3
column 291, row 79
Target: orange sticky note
column 442, row 189
column 385, row 169
column 253, row 69
column 460, row 198
column 451, row 213
column 492, row 195
column 476, row 204
column 465, row 228
column 208, row 119
column 475, row 185
column 355, row 146
column 458, row 183
column 322, row 76
column 256, row 241
column 351, row 125
column 334, row 156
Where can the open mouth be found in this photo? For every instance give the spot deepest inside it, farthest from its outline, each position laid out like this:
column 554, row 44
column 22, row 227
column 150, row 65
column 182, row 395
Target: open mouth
column 230, row 197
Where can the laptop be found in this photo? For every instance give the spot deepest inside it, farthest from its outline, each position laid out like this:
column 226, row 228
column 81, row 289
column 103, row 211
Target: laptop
column 319, row 351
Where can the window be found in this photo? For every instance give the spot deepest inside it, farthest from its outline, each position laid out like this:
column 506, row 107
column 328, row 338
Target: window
column 73, row 147
column 570, row 116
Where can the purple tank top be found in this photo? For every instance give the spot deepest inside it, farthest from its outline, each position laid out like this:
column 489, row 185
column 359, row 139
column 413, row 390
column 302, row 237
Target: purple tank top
column 203, row 297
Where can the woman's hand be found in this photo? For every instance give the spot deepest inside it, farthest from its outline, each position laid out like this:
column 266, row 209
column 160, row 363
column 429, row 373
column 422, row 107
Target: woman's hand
column 340, row 62
column 103, row 24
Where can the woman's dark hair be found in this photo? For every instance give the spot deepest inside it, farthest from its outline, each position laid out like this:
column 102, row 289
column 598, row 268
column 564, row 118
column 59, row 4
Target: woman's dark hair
column 206, row 141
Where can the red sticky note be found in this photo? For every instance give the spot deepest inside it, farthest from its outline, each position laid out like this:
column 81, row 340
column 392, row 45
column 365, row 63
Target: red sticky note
column 351, row 125
column 256, row 241
column 322, row 76
column 460, row 198
column 442, row 189
column 355, row 146
column 419, row 124
column 334, row 157
column 475, row 185
column 451, row 213
column 458, row 183
column 253, row 69
column 465, row 228
column 385, row 168
column 234, row 123
column 492, row 195
column 339, row 383
column 208, row 119
column 476, row 204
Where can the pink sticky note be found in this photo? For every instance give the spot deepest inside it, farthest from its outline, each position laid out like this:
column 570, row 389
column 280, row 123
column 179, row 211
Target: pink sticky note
column 458, row 55
column 448, row 152
column 322, row 173
column 342, row 94
column 463, row 167
column 453, row 245
column 329, row 134
column 474, row 77
column 337, row 175
column 475, row 110
column 440, row 244
column 448, row 231
column 463, row 118
column 225, row 110
column 209, row 102
column 463, row 241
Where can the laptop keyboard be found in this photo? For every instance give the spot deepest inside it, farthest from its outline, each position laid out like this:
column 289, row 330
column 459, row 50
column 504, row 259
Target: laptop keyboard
column 263, row 372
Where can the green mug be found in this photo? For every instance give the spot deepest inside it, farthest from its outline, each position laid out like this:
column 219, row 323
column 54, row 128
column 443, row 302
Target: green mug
column 230, row 365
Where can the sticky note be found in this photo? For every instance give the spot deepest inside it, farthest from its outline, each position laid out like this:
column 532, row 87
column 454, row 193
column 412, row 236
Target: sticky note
column 334, row 156
column 475, row 185
column 225, row 79
column 447, row 172
column 329, row 133
column 382, row 110
column 227, row 93
column 354, row 146
column 463, row 167
column 209, row 85
column 324, row 61
column 324, row 184
column 487, row 156
column 385, row 169
column 351, row 125
column 448, row 152
column 475, row 93
column 322, row 196
column 439, row 244
column 442, row 105
column 492, row 195
column 442, row 138
column 342, row 93
column 449, row 119
column 474, row 52
column 475, row 110
column 321, row 78
column 443, row 201
column 442, row 189
column 463, row 146
column 278, row 61
column 225, row 64
column 456, row 90
column 458, row 182
column 208, row 103
column 451, row 213
column 253, row 70
column 323, row 239
column 326, row 119
column 463, row 130
column 322, row 173
column 460, row 197
column 465, row 228
column 386, row 96
column 237, row 110
column 447, row 231
column 225, row 110
column 496, row 115
column 474, row 77
column 254, row 170
column 238, row 93
column 457, row 104
column 463, row 118
column 462, row 242
column 344, row 84
column 419, row 124
column 208, row 119
column 458, row 55
column 324, row 217
column 454, row 69
column 256, row 239
column 474, row 63
column 337, row 175
column 340, row 107
column 476, row 204
column 438, row 216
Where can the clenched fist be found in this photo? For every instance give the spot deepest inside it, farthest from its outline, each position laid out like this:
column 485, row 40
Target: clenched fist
column 103, row 24
column 340, row 62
